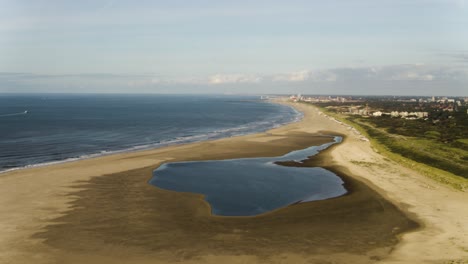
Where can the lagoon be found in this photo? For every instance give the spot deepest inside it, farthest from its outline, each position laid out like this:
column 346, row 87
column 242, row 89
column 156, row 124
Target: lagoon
column 252, row 186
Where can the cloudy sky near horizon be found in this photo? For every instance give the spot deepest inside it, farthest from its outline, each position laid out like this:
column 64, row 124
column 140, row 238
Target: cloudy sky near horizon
column 406, row 47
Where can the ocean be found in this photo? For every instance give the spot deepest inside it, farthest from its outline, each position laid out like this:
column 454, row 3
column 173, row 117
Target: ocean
column 51, row 128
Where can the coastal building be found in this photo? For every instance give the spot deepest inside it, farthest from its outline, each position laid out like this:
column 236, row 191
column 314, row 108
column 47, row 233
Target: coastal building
column 403, row 114
column 422, row 114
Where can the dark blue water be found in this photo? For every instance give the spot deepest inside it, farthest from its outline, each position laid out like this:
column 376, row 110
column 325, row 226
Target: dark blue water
column 246, row 187
column 63, row 127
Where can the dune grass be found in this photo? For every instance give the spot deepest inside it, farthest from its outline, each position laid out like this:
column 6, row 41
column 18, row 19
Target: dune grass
column 441, row 162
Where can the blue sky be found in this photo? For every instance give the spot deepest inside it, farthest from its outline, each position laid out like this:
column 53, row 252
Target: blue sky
column 362, row 46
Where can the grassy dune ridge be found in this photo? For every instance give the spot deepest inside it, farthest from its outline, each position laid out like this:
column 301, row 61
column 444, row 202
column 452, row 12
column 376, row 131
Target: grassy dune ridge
column 441, row 162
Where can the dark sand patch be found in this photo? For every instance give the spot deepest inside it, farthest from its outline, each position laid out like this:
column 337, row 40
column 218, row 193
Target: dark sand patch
column 122, row 210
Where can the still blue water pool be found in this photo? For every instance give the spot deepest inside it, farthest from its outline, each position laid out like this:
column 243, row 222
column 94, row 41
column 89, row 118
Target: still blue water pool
column 252, row 186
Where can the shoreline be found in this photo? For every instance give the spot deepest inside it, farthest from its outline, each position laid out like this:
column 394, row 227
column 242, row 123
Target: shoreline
column 39, row 204
column 165, row 143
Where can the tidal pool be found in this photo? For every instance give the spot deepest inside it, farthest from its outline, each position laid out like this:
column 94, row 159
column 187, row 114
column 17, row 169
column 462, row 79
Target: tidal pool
column 251, row 186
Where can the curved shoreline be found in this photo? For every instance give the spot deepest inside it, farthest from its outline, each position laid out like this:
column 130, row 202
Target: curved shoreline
column 105, row 206
column 165, row 143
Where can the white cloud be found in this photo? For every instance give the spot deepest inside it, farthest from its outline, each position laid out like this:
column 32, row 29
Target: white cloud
column 233, row 78
column 357, row 79
column 323, row 76
column 295, row 77
column 412, row 76
column 299, row 76
column 402, row 72
column 306, row 75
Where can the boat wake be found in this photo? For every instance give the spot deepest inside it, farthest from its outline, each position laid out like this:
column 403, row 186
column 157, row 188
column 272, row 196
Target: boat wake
column 15, row 114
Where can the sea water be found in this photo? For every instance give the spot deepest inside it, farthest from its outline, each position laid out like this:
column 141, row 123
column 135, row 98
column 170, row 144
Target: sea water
column 51, row 128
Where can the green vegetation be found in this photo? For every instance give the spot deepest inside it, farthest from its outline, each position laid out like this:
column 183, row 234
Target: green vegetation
column 442, row 128
column 462, row 143
column 439, row 152
column 423, row 149
column 432, row 135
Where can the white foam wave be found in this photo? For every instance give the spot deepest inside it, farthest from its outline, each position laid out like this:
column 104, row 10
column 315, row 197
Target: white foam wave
column 250, row 128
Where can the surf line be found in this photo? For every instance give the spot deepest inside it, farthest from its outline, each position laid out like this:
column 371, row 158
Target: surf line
column 15, row 114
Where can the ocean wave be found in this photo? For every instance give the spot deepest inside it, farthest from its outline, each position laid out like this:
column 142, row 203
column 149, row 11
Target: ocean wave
column 245, row 129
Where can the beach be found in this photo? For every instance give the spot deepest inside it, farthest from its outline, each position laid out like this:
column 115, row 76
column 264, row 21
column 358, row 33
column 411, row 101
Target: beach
column 102, row 210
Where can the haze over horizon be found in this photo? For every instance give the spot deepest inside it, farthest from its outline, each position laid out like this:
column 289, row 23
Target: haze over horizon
column 262, row 47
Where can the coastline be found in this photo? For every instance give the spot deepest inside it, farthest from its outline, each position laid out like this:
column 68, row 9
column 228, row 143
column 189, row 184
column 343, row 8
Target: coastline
column 214, row 135
column 39, row 204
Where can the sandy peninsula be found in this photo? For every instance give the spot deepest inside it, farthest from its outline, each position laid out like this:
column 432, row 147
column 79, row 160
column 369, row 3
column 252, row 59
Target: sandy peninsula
column 102, row 210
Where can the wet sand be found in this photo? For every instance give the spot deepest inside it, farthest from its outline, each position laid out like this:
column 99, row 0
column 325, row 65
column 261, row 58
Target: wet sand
column 102, row 210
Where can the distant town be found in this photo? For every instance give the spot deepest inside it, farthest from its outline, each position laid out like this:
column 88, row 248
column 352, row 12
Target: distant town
column 409, row 108
column 431, row 130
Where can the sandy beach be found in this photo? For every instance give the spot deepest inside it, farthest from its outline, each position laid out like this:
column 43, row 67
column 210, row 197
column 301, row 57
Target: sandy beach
column 102, row 210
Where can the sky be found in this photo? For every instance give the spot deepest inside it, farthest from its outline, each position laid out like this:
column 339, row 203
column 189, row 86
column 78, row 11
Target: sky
column 375, row 47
